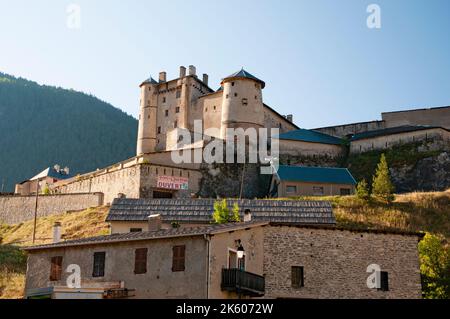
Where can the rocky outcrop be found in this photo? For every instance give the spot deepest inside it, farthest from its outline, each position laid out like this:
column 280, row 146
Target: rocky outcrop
column 428, row 174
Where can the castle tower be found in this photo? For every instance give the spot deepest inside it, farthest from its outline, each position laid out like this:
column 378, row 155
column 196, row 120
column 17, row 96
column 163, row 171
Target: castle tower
column 146, row 142
column 242, row 103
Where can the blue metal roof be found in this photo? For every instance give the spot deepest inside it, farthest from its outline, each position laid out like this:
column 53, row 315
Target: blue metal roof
column 244, row 74
column 316, row 175
column 310, row 136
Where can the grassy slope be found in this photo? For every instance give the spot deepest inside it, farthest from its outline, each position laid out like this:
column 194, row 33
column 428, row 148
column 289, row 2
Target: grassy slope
column 414, row 212
column 13, row 261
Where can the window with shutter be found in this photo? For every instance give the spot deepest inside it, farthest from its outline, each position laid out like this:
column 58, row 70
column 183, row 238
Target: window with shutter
column 99, row 264
column 178, row 261
column 56, row 268
column 140, row 261
column 297, row 277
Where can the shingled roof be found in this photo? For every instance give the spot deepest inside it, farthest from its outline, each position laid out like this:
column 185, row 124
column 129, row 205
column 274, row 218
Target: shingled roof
column 201, row 210
column 151, row 235
column 242, row 74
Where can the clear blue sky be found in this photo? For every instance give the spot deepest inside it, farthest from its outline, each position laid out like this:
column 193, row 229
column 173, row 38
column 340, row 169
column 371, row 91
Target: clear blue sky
column 319, row 59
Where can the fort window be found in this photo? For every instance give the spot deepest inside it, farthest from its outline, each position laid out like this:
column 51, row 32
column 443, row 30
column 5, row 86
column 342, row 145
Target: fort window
column 244, row 102
column 256, row 97
column 175, row 124
column 159, row 129
column 177, row 109
column 206, row 110
column 214, row 107
column 167, row 113
column 56, row 268
column 232, row 83
column 178, row 94
column 140, row 261
column 290, row 189
column 99, row 264
column 318, row 190
column 164, row 99
column 384, row 276
column 235, row 94
column 227, row 96
column 178, row 260
column 297, row 277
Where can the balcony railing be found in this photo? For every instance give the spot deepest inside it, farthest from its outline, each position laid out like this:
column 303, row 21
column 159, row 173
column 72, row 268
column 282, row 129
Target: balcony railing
column 242, row 282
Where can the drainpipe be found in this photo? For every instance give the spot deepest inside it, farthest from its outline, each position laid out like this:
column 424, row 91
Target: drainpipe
column 208, row 262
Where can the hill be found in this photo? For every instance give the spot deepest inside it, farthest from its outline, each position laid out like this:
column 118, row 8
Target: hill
column 428, row 212
column 44, row 125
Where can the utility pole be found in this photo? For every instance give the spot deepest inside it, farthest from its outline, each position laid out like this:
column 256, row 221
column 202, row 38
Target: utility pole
column 242, row 181
column 35, row 210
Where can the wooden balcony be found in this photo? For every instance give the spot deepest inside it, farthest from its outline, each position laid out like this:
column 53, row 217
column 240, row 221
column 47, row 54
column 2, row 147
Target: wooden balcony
column 242, row 282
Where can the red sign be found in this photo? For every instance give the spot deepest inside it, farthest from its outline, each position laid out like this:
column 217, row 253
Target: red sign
column 170, row 182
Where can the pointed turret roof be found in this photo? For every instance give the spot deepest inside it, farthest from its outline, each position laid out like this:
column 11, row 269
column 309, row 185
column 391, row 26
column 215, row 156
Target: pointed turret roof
column 150, row 80
column 246, row 75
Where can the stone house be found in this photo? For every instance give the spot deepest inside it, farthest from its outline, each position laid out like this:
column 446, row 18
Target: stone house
column 132, row 215
column 46, row 178
column 292, row 181
column 242, row 260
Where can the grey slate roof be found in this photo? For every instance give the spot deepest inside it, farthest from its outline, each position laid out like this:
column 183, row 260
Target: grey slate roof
column 200, row 210
column 166, row 233
column 244, row 74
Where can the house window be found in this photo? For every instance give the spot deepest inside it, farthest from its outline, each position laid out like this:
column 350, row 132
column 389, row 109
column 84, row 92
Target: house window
column 56, row 268
column 244, row 102
column 140, row 261
column 297, row 277
column 178, row 260
column 135, row 230
column 177, row 109
column 167, row 113
column 384, row 276
column 345, row 191
column 159, row 129
column 232, row 259
column 318, row 190
column 291, row 189
column 99, row 264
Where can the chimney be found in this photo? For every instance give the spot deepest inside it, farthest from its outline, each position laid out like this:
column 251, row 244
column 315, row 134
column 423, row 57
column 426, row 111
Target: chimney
column 290, row 118
column 66, row 170
column 182, row 71
column 247, row 216
column 192, row 70
column 154, row 222
column 162, row 77
column 56, row 232
column 205, row 78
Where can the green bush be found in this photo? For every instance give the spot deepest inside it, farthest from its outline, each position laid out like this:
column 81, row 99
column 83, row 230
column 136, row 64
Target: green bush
column 223, row 215
column 434, row 267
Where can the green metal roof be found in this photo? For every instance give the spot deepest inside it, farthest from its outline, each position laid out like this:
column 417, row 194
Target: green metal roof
column 310, row 136
column 244, row 74
column 316, row 175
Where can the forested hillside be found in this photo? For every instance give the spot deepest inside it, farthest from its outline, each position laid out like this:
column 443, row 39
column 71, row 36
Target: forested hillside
column 42, row 125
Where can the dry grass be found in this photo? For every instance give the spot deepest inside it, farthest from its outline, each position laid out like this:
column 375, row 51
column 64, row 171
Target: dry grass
column 13, row 260
column 417, row 212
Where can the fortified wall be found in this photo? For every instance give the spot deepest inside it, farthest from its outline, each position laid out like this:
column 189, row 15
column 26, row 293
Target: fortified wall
column 17, row 209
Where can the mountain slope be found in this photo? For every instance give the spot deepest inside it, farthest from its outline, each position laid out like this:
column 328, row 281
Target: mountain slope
column 42, row 125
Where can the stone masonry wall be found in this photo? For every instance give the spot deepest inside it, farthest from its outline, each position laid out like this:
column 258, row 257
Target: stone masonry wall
column 17, row 209
column 335, row 263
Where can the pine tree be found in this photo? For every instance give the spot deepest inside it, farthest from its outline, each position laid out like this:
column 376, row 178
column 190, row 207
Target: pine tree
column 382, row 186
column 362, row 190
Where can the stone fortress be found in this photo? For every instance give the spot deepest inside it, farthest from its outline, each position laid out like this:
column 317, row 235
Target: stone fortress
column 170, row 106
